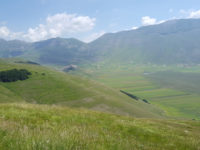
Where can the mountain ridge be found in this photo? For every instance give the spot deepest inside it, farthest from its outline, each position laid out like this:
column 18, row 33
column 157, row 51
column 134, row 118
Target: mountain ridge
column 172, row 42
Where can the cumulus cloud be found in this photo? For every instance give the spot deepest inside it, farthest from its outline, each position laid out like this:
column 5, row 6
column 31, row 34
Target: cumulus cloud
column 4, row 31
column 189, row 13
column 61, row 24
column 194, row 14
column 7, row 34
column 146, row 20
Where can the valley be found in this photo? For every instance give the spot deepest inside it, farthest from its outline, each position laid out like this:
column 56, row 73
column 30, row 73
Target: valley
column 173, row 89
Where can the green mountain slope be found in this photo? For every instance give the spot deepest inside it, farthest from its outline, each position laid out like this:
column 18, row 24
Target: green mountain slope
column 47, row 86
column 59, row 51
column 172, row 42
column 55, row 51
column 29, row 127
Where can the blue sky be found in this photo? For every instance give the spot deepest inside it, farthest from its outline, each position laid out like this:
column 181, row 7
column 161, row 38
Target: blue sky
column 34, row 20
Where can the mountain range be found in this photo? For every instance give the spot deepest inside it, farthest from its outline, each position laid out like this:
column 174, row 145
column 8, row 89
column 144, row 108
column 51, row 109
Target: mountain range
column 171, row 42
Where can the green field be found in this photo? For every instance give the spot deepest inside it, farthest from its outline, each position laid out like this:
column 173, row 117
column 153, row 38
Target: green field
column 174, row 89
column 47, row 86
column 40, row 127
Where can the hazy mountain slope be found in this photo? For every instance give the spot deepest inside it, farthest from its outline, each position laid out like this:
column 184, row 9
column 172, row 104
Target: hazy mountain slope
column 55, row 51
column 13, row 48
column 46, row 86
column 60, row 51
column 175, row 41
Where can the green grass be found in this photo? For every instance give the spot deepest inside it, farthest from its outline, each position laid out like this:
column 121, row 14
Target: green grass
column 183, row 106
column 185, row 81
column 156, row 93
column 39, row 127
column 58, row 88
column 175, row 89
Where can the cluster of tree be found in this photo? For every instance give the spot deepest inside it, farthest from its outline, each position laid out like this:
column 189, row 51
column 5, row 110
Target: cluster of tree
column 146, row 101
column 134, row 97
column 14, row 75
column 130, row 95
column 27, row 62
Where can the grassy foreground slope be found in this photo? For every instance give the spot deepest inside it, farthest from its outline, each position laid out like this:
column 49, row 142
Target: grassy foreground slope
column 39, row 127
column 47, row 86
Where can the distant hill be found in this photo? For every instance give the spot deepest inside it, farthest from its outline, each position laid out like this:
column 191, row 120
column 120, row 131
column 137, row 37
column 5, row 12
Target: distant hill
column 60, row 51
column 172, row 42
column 13, row 48
column 57, row 51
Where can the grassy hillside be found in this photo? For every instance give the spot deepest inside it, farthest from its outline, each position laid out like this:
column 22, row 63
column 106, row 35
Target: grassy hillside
column 39, row 127
column 46, row 86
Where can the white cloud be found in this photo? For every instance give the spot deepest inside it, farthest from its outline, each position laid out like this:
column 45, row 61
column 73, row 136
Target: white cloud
column 7, row 34
column 194, row 14
column 134, row 28
column 189, row 13
column 4, row 31
column 62, row 24
column 150, row 21
column 146, row 20
column 94, row 36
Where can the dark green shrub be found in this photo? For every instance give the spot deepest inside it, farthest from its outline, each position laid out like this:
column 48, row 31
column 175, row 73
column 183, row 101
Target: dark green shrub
column 14, row 75
column 144, row 100
column 130, row 95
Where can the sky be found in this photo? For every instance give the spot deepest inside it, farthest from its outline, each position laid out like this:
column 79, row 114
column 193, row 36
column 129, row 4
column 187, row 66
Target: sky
column 86, row 20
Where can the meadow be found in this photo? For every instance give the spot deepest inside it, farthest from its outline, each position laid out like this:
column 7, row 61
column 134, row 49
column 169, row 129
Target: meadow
column 42, row 127
column 47, row 86
column 174, row 89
